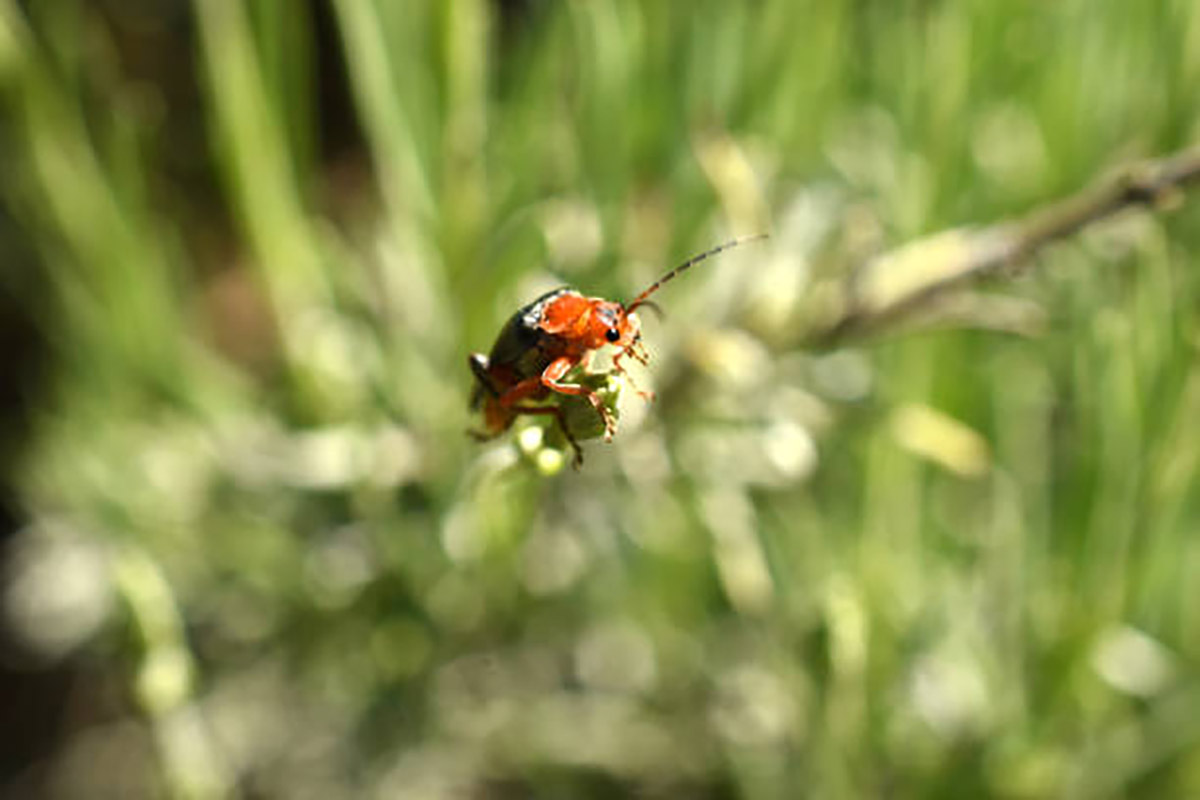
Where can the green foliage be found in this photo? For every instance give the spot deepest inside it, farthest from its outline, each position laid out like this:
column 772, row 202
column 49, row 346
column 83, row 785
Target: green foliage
column 954, row 564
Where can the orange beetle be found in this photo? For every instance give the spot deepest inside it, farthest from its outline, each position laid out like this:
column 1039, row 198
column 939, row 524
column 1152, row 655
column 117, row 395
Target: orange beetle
column 547, row 338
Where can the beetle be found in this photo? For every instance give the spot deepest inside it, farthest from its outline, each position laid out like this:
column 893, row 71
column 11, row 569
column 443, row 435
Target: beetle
column 546, row 339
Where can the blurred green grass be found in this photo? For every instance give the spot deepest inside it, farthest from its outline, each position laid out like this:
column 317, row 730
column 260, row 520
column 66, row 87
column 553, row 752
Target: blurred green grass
column 955, row 564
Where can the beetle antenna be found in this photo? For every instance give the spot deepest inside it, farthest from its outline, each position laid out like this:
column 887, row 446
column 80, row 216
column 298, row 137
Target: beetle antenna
column 655, row 307
column 654, row 287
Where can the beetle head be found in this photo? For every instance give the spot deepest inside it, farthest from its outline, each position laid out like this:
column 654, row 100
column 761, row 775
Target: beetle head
column 612, row 323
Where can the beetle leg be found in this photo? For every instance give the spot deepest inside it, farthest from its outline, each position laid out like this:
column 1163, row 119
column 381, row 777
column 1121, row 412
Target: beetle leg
column 557, row 413
column 616, row 362
column 530, row 387
column 510, row 401
column 478, row 363
column 496, row 418
column 554, row 411
column 551, row 378
column 485, row 384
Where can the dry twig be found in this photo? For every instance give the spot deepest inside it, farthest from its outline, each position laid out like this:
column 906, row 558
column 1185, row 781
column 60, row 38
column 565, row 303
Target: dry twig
column 897, row 283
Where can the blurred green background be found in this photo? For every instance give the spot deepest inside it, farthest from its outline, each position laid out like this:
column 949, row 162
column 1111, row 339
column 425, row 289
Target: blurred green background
column 245, row 248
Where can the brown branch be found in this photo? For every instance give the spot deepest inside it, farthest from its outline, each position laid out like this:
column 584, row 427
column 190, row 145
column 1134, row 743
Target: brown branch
column 897, row 283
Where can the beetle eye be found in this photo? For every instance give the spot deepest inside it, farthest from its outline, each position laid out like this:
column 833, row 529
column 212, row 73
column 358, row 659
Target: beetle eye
column 612, row 334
